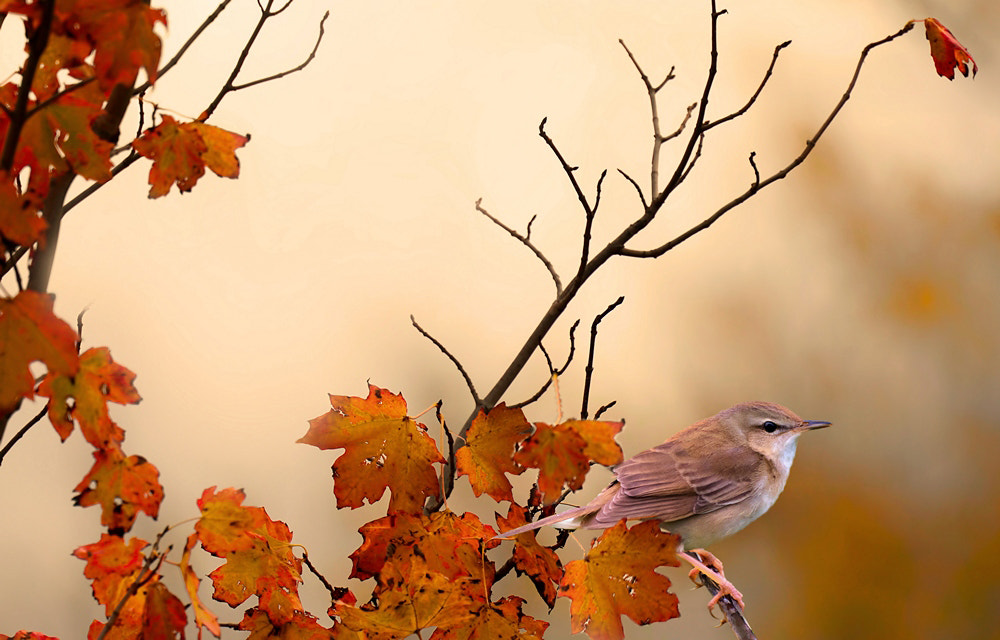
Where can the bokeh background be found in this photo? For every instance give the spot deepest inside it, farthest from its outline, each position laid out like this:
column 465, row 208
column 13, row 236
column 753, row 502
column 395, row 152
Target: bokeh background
column 864, row 289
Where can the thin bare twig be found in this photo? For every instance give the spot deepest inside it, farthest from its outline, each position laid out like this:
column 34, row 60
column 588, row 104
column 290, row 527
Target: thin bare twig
column 756, row 94
column 525, row 240
column 604, row 407
column 454, row 360
column 570, row 171
column 146, row 573
column 319, row 576
column 589, row 370
column 449, row 480
column 658, row 139
column 561, row 370
column 756, row 172
column 778, row 175
column 20, row 433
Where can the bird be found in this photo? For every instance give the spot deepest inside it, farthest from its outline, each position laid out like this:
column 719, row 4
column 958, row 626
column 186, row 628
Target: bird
column 703, row 484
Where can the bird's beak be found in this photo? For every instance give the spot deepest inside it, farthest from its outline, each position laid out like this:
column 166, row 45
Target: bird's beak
column 809, row 425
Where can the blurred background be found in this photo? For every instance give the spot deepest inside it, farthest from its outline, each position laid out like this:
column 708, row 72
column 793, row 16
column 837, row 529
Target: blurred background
column 864, row 289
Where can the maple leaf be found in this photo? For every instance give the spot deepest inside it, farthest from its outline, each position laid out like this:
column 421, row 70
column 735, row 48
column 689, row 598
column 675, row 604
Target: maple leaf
column 562, row 453
column 30, row 332
column 383, row 449
column 420, row 598
column 20, row 220
column 489, row 451
column 27, row 635
column 98, row 381
column 947, row 51
column 181, row 151
column 501, row 620
column 302, row 626
column 258, row 553
column 109, row 562
column 540, row 564
column 618, row 577
column 203, row 618
column 451, row 544
column 122, row 486
column 163, row 617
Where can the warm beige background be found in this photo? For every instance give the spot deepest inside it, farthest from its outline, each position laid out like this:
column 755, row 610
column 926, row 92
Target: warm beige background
column 863, row 290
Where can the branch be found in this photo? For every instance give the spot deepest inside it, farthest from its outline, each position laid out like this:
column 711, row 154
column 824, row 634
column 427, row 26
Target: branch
column 146, row 574
column 734, row 616
column 561, row 370
column 760, row 184
column 589, row 370
column 566, row 168
column 230, row 84
column 753, row 98
column 319, row 576
column 658, row 139
column 448, row 480
column 180, row 52
column 20, row 433
column 526, row 241
column 454, row 360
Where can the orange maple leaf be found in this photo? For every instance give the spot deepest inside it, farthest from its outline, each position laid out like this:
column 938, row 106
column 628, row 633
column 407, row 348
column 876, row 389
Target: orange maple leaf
column 496, row 620
column 489, row 451
column 122, row 486
column 29, row 332
column 20, row 215
column 539, row 563
column 618, row 577
column 947, row 51
column 419, row 598
column 203, row 618
column 451, row 544
column 27, row 635
column 562, row 453
column 181, row 151
column 383, row 449
column 98, row 381
column 302, row 626
column 258, row 553
column 110, row 561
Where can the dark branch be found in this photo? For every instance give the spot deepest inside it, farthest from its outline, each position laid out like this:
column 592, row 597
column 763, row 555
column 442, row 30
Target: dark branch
column 319, row 576
column 734, row 616
column 449, row 481
column 570, row 171
column 525, row 240
column 20, row 433
column 756, row 94
column 779, row 175
column 300, row 67
column 589, row 370
column 755, row 185
column 561, row 370
column 454, row 360
column 638, row 189
column 604, row 407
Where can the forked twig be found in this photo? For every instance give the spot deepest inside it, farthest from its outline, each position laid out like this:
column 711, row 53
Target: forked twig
column 526, row 241
column 589, row 370
column 454, row 360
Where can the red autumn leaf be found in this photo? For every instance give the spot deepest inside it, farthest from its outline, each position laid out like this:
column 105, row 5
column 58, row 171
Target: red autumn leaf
column 202, row 616
column 27, row 635
column 539, row 563
column 110, row 561
column 383, row 449
column 258, row 553
column 562, row 453
column 618, row 577
column 489, row 451
column 947, row 51
column 163, row 617
column 20, row 215
column 302, row 626
column 122, row 486
column 180, row 153
column 62, row 53
column 451, row 544
column 30, row 332
column 99, row 381
column 420, row 598
column 501, row 620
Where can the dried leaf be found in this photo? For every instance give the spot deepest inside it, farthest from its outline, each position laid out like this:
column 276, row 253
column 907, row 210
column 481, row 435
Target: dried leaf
column 947, row 51
column 489, row 452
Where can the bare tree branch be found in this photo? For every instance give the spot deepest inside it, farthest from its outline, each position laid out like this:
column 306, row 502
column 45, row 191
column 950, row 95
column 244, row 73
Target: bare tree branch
column 454, row 360
column 20, row 432
column 589, row 370
column 756, row 94
column 561, row 370
column 526, row 241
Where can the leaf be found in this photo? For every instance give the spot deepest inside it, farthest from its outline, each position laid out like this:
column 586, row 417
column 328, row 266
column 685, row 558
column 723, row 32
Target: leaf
column 258, row 553
column 30, row 332
column 302, row 626
column 489, row 452
column 383, row 449
column 202, row 616
column 20, row 219
column 539, row 563
column 180, row 153
column 420, row 599
column 562, row 453
column 221, row 146
column 618, row 577
column 451, row 544
column 501, row 620
column 27, row 635
column 164, row 617
column 947, row 52
column 109, row 562
column 122, row 486
column 98, row 381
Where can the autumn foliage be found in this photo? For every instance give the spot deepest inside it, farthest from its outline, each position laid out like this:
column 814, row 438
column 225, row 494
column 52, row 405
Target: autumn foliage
column 427, row 567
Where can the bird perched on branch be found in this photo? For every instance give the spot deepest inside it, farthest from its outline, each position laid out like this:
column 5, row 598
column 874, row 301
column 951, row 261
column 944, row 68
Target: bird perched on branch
column 704, row 483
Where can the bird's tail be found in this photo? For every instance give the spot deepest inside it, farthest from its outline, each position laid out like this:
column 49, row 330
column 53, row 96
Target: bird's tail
column 571, row 519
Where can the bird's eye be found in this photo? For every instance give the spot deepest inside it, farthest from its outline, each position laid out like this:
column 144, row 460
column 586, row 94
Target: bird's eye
column 769, row 426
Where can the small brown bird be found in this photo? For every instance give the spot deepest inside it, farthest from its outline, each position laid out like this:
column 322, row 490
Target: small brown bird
column 703, row 484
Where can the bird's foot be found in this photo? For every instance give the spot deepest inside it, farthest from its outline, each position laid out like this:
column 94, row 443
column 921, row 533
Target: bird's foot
column 712, row 567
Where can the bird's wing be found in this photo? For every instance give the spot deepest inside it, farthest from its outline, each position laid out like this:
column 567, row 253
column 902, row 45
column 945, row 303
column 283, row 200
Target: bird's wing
column 667, row 483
